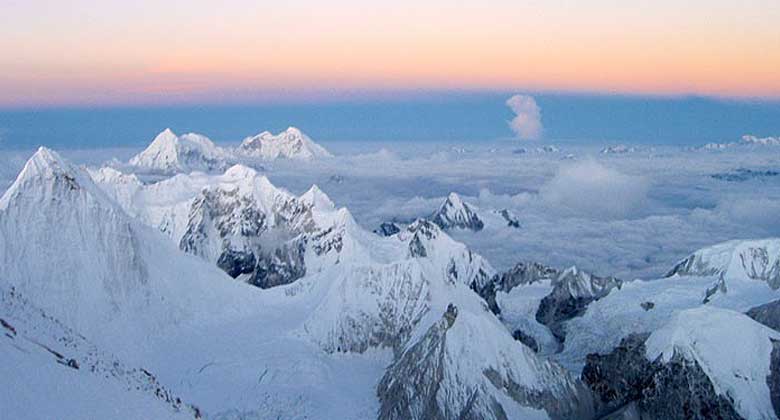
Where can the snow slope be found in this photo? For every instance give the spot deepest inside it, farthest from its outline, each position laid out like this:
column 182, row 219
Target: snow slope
column 54, row 372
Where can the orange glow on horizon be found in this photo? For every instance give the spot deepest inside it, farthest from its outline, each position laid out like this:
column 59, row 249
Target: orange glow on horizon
column 670, row 49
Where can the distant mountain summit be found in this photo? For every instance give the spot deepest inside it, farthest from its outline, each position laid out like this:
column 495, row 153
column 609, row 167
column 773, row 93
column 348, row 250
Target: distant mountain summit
column 289, row 144
column 171, row 153
column 455, row 213
column 745, row 141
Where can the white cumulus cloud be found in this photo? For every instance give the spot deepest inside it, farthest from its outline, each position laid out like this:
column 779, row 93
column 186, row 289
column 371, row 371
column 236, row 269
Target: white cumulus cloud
column 527, row 123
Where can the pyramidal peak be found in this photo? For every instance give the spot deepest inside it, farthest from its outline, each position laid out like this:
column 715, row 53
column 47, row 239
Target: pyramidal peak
column 455, row 213
column 49, row 174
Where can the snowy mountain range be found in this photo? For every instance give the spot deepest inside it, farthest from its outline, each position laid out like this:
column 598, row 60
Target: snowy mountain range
column 745, row 141
column 169, row 153
column 217, row 294
column 118, row 280
column 289, row 144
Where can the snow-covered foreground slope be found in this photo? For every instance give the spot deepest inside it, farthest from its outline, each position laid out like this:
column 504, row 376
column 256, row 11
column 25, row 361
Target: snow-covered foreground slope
column 74, row 252
column 51, row 371
column 315, row 347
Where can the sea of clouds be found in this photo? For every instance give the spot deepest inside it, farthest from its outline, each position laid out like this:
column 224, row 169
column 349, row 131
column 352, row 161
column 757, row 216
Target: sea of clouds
column 631, row 215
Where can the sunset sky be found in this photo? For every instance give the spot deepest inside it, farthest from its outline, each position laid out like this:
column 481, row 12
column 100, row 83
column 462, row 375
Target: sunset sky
column 82, row 52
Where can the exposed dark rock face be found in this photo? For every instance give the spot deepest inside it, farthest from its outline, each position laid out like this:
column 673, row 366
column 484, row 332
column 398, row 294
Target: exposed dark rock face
column 678, row 389
column 573, row 291
column 236, row 263
column 526, row 339
column 767, row 314
column 773, row 380
column 423, row 230
column 455, row 213
column 511, row 219
column 387, row 229
column 560, row 306
column 232, row 225
column 330, row 239
column 283, row 266
column 522, row 273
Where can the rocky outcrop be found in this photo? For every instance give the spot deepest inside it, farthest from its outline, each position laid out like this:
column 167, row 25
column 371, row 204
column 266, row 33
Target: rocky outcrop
column 511, row 219
column 677, row 389
column 767, row 314
column 387, row 229
column 521, row 274
column 573, row 290
column 283, row 265
column 773, row 380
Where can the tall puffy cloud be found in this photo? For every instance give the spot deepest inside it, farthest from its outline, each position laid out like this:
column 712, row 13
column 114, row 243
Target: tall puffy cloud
column 527, row 123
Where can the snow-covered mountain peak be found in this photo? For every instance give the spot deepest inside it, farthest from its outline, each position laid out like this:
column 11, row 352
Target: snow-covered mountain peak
column 455, row 213
column 250, row 183
column 763, row 141
column 289, row 144
column 171, row 153
column 239, row 171
column 316, row 198
column 46, row 163
column 46, row 175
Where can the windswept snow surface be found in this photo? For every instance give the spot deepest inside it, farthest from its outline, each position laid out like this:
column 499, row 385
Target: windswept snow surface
column 51, row 371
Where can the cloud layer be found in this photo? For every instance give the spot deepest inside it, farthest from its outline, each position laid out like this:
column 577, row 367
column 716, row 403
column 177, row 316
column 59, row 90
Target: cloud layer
column 527, row 123
column 590, row 189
